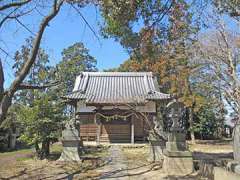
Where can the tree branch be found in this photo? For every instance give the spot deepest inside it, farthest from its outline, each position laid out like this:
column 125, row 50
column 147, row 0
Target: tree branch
column 13, row 4
column 235, row 14
column 1, row 80
column 28, row 64
column 86, row 22
column 10, row 16
column 30, row 86
column 24, row 26
column 6, row 99
column 7, row 17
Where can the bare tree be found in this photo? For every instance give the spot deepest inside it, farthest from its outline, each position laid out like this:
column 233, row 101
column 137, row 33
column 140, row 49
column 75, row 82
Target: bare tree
column 12, row 4
column 221, row 51
column 12, row 11
column 231, row 7
column 7, row 95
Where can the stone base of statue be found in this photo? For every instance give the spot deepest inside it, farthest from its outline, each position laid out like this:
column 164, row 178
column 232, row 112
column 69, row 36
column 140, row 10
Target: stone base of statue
column 234, row 166
column 156, row 147
column 178, row 160
column 236, row 143
column 71, row 145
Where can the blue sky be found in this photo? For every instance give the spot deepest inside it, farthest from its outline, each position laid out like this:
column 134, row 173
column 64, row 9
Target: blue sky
column 66, row 29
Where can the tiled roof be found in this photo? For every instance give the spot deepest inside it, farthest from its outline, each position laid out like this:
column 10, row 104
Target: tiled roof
column 116, row 87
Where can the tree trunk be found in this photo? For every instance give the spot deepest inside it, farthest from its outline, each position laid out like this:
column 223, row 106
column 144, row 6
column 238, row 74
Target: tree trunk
column 157, row 137
column 45, row 149
column 190, row 120
column 1, row 81
column 12, row 140
column 4, row 105
column 37, row 149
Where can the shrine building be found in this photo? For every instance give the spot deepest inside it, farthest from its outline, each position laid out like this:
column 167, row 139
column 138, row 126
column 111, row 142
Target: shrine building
column 116, row 106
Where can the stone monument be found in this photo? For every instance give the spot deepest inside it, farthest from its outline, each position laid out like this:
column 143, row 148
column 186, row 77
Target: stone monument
column 71, row 142
column 177, row 159
column 234, row 165
column 236, row 143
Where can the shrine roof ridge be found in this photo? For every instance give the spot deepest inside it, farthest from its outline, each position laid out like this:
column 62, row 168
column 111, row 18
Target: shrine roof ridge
column 116, row 87
column 117, row 73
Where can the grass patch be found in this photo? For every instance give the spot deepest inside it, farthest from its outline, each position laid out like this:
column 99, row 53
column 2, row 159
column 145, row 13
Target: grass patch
column 56, row 148
column 98, row 151
column 27, row 167
column 210, row 147
column 136, row 156
column 23, row 158
column 20, row 151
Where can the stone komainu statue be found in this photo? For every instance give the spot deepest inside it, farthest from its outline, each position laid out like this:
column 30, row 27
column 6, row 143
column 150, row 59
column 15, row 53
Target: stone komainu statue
column 71, row 124
column 176, row 115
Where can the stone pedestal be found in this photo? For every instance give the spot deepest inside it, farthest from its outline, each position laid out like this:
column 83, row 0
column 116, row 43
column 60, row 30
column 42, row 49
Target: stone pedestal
column 236, row 143
column 178, row 160
column 71, row 145
column 234, row 166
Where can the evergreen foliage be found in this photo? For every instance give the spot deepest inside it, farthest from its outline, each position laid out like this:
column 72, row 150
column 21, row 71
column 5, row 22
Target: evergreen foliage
column 75, row 59
column 39, row 114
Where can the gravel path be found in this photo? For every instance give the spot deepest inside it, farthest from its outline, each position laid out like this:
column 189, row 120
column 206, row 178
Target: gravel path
column 120, row 168
column 117, row 168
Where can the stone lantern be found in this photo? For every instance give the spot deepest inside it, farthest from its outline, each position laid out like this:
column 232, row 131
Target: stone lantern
column 177, row 158
column 71, row 142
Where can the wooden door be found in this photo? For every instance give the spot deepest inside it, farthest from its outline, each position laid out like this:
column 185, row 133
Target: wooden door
column 116, row 131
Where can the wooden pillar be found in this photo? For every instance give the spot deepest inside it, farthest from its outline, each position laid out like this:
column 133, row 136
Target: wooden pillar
column 98, row 129
column 132, row 130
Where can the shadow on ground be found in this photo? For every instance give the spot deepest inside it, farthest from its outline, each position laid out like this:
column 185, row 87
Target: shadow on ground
column 50, row 168
column 91, row 163
column 59, row 170
column 211, row 156
column 125, row 172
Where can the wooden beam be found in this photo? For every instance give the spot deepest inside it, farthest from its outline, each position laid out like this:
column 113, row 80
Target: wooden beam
column 132, row 130
column 97, row 121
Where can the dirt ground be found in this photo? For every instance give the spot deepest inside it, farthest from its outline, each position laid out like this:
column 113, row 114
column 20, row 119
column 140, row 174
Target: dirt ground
column 132, row 164
column 21, row 165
